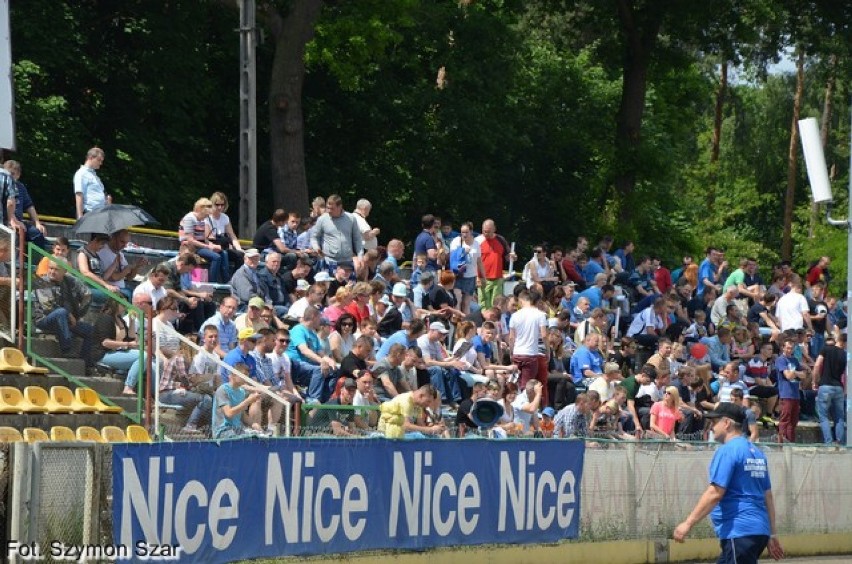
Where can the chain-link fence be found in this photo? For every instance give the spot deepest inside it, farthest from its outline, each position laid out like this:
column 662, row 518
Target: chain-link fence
column 334, row 420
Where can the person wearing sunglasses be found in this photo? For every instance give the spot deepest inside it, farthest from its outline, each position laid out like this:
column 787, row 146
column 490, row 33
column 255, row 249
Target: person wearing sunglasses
column 540, row 270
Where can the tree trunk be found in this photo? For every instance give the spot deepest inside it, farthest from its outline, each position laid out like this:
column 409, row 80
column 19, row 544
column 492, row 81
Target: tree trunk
column 720, row 105
column 792, row 159
column 639, row 33
column 825, row 126
column 286, row 124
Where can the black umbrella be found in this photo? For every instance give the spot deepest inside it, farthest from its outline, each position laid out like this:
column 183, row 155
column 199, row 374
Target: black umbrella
column 112, row 218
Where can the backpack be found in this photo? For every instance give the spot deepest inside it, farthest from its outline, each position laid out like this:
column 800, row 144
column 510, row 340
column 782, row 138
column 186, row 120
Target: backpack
column 458, row 260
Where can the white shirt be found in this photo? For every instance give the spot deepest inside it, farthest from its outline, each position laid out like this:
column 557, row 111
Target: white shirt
column 473, row 255
column 644, row 319
column 469, row 358
column 522, row 417
column 219, row 225
column 147, row 288
column 204, row 363
column 789, row 310
column 650, row 390
column 363, row 227
column 298, row 308
column 603, row 388
column 281, row 365
column 527, row 323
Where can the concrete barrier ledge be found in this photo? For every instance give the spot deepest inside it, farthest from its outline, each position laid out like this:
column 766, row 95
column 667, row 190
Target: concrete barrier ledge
column 646, row 551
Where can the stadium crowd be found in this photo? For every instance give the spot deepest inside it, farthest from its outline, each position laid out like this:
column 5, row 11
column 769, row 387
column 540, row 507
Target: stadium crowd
column 589, row 341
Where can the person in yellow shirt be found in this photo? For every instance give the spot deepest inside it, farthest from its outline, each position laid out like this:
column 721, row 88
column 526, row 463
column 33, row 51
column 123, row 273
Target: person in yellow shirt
column 403, row 416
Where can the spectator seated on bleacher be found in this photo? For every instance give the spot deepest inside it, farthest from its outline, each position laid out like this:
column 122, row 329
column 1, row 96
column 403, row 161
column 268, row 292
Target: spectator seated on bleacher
column 204, row 369
column 356, row 359
column 246, row 281
column 341, row 422
column 154, row 286
column 176, row 387
column 632, row 419
column 231, row 403
column 60, row 303
column 282, row 367
column 443, row 370
column 196, row 306
column 365, row 396
column 246, row 339
column 61, row 248
column 311, row 366
column 572, row 421
column 114, row 340
column 227, row 329
column 587, row 361
column 719, row 348
column 196, row 231
column 117, row 269
column 404, row 415
column 342, row 338
column 277, row 294
column 268, row 379
column 649, row 324
column 310, row 297
column 253, row 316
column 389, row 378
column 89, row 264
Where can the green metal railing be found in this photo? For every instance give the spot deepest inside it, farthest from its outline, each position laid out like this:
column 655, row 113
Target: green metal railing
column 34, row 256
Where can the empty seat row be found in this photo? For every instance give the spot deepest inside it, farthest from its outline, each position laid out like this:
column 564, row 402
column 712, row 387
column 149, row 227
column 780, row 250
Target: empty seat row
column 36, row 399
column 108, row 434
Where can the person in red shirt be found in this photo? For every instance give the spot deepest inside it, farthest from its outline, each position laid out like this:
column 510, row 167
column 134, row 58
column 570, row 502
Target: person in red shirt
column 569, row 265
column 494, row 251
column 662, row 275
column 817, row 272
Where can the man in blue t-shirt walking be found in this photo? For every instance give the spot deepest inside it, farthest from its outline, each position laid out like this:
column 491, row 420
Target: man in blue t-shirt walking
column 739, row 498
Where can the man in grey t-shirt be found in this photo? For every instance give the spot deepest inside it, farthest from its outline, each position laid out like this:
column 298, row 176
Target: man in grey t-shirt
column 336, row 235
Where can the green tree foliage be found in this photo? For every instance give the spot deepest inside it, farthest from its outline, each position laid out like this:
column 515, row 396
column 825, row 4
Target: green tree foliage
column 151, row 83
column 490, row 108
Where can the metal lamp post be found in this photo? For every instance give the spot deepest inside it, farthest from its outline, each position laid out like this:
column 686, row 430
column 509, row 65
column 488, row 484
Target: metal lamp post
column 821, row 190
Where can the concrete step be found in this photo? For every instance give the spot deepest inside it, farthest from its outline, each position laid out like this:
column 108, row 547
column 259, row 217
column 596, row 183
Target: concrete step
column 127, row 403
column 48, row 346
column 73, row 366
column 103, row 385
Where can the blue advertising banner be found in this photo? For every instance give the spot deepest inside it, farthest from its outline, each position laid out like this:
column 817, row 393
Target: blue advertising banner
column 209, row 502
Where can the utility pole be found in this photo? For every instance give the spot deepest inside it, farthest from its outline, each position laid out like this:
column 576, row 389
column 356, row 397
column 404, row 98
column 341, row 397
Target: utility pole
column 248, row 120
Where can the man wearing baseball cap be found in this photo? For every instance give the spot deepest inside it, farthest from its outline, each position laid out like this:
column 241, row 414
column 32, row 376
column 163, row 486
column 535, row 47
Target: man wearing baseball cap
column 246, row 281
column 242, row 353
column 739, row 498
column 443, row 370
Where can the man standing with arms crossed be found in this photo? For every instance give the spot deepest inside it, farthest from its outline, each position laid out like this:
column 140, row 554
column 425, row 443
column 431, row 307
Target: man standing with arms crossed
column 739, row 498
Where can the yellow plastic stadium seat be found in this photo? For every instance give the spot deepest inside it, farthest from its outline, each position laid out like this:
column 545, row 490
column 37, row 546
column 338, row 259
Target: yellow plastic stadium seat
column 138, row 434
column 63, row 396
column 13, row 360
column 85, row 433
column 10, row 435
column 38, row 397
column 113, row 434
column 13, row 401
column 34, row 435
column 60, row 433
column 90, row 397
